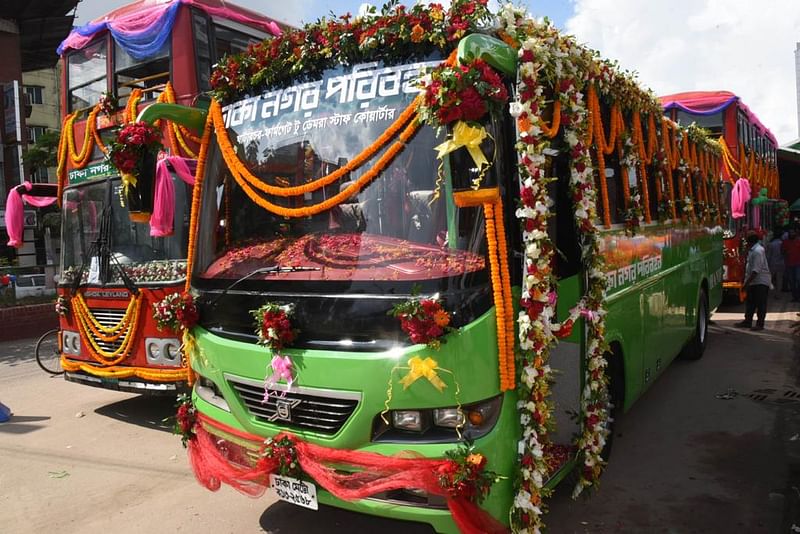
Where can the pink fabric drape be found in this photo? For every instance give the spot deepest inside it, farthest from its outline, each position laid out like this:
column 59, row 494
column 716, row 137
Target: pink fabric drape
column 162, row 219
column 740, row 194
column 15, row 222
column 227, row 13
column 139, row 18
column 15, row 211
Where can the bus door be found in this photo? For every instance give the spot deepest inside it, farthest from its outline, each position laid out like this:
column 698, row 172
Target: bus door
column 566, row 359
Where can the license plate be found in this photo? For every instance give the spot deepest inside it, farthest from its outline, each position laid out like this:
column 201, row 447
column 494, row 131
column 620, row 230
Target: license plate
column 294, row 491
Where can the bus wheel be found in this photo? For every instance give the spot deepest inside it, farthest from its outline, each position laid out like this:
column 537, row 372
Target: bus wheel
column 697, row 346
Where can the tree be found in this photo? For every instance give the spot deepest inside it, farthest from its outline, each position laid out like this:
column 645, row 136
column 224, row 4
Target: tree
column 44, row 152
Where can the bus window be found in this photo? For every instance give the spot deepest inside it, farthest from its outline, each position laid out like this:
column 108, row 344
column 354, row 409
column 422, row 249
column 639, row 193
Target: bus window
column 561, row 225
column 150, row 75
column 228, row 41
column 616, row 194
column 202, row 50
column 86, row 75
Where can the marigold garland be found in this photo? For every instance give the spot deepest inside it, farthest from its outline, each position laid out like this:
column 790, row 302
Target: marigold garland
column 307, row 211
column 85, row 320
column 145, row 373
column 197, row 192
column 238, row 168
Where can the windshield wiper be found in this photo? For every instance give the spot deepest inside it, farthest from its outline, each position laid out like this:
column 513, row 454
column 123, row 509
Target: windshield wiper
column 272, row 269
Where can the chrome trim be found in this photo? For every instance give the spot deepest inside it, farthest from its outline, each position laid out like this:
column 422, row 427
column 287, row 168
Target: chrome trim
column 300, row 390
column 313, row 410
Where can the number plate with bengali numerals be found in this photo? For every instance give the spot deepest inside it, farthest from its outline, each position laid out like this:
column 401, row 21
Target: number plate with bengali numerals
column 294, row 491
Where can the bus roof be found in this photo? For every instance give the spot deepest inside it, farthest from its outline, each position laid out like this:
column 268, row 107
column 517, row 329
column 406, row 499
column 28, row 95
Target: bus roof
column 143, row 19
column 710, row 102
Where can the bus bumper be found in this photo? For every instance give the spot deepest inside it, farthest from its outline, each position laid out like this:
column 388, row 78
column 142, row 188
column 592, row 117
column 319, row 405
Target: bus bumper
column 242, row 449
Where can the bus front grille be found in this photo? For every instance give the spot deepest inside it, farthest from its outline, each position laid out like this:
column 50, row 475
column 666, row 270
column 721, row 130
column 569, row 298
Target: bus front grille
column 321, row 411
column 109, row 317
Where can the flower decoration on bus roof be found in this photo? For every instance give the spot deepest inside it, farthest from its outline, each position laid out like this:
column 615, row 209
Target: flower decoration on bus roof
column 394, row 34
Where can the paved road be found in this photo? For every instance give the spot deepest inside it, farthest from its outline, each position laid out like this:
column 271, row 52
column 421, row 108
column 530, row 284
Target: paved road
column 85, row 460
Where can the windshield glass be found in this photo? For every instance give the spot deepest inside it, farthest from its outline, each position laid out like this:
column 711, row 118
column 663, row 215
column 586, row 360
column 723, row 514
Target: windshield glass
column 144, row 258
column 394, row 229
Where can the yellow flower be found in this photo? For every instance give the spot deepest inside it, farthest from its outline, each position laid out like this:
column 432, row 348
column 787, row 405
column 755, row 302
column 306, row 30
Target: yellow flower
column 437, row 14
column 475, row 459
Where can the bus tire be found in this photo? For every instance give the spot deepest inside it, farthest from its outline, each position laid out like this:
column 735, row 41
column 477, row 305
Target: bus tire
column 697, row 345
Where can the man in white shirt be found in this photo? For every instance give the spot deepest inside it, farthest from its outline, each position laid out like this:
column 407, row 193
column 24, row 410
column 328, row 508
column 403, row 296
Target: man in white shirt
column 757, row 282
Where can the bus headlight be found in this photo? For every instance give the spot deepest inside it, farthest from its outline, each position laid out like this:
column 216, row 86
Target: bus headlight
column 162, row 351
column 70, row 342
column 448, row 417
column 413, row 420
column 439, row 425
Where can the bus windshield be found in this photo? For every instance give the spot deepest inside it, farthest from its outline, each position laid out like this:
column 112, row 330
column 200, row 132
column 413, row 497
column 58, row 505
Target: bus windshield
column 395, row 229
column 144, row 258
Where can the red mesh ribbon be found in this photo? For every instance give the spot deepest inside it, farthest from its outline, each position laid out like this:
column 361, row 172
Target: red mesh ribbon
column 375, row 473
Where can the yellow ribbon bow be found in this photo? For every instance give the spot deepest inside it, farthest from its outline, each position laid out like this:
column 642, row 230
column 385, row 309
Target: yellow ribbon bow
column 419, row 368
column 128, row 181
column 470, row 137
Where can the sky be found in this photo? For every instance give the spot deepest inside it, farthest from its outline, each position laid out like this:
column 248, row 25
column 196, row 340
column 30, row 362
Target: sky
column 741, row 46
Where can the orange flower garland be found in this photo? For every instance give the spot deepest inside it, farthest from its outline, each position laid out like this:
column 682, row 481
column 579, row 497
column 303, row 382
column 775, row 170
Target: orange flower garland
column 506, row 379
column 638, row 139
column 242, row 176
column 236, row 166
column 552, row 130
column 84, row 321
column 500, row 276
column 152, row 375
column 197, row 191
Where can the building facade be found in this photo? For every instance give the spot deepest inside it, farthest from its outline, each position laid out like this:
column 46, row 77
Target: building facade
column 40, row 88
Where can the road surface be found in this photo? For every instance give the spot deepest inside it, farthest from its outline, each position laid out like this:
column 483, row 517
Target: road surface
column 695, row 454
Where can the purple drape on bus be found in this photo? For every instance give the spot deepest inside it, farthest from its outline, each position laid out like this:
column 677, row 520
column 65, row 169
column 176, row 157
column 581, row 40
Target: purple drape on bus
column 703, row 103
column 141, row 30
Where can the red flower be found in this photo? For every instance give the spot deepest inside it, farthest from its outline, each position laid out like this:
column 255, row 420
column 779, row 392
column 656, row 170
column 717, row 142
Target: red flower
column 473, row 106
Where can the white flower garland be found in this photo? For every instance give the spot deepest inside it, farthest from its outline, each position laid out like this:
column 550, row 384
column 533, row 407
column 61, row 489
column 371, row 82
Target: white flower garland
column 546, row 57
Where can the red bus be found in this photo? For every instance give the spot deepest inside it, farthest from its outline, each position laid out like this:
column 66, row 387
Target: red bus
column 115, row 264
column 750, row 171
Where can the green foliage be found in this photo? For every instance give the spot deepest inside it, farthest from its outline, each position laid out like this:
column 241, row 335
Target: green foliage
column 44, row 152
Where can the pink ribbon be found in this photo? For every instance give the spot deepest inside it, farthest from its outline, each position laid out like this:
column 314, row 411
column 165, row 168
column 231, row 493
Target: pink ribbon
column 15, row 211
column 161, row 221
column 281, row 370
column 592, row 315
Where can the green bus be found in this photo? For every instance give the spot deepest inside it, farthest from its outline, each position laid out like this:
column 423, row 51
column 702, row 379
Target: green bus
column 433, row 260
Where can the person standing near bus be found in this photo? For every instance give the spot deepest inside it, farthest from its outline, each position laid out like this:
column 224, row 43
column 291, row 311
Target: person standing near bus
column 791, row 256
column 775, row 262
column 757, row 282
